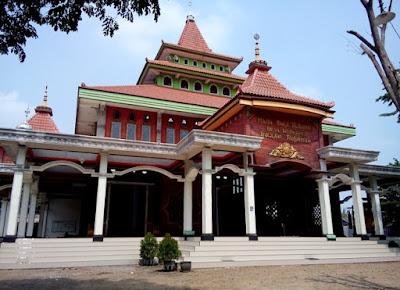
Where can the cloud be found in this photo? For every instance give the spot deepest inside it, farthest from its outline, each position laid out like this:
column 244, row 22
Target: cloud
column 144, row 35
column 308, row 91
column 12, row 110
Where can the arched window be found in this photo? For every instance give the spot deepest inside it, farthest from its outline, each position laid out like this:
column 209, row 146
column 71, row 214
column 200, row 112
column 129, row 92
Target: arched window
column 184, row 123
column 167, row 81
column 147, row 118
column 214, row 89
column 116, row 115
column 226, row 91
column 195, row 63
column 170, row 121
column 184, row 84
column 176, row 58
column 213, row 66
column 131, row 117
column 198, row 86
column 204, row 65
column 221, row 68
column 186, row 61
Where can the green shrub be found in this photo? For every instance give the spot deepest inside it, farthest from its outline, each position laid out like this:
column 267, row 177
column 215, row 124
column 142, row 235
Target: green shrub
column 148, row 246
column 168, row 249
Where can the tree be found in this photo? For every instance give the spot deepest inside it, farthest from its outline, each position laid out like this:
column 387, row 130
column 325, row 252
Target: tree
column 18, row 17
column 383, row 65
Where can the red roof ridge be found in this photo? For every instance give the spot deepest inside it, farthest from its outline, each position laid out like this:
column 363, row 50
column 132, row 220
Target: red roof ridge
column 191, row 37
column 154, row 91
column 328, row 122
column 196, row 69
column 237, row 59
column 262, row 83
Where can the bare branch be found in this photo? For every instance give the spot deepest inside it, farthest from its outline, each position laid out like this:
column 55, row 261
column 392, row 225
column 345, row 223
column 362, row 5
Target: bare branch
column 360, row 37
column 381, row 73
column 381, row 6
column 364, row 2
column 390, row 5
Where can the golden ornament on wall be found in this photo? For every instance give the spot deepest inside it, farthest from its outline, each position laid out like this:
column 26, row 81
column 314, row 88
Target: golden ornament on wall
column 286, row 150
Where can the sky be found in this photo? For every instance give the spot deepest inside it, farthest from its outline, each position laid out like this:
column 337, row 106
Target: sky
column 305, row 42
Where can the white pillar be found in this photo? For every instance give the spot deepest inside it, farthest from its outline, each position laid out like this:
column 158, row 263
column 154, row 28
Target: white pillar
column 249, row 204
column 41, row 215
column 207, row 222
column 44, row 223
column 187, row 199
column 32, row 207
column 158, row 127
column 376, row 206
column 31, row 215
column 11, row 231
column 4, row 206
column 325, row 201
column 23, row 213
column 357, row 201
column 101, row 198
column 101, row 121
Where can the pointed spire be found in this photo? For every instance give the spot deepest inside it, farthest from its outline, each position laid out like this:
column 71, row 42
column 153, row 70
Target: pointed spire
column 258, row 62
column 191, row 36
column 44, row 104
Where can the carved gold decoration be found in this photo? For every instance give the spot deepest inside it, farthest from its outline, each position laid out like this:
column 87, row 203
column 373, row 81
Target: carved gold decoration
column 286, row 150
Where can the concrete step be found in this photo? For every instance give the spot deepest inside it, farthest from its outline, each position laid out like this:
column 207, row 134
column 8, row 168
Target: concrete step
column 199, row 265
column 281, row 247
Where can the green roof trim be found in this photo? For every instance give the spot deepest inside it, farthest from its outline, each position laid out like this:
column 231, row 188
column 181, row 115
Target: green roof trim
column 338, row 129
column 213, row 55
column 93, row 94
column 151, row 65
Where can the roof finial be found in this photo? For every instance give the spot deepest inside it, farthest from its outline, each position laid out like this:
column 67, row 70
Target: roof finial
column 44, row 104
column 190, row 16
column 257, row 58
column 25, row 125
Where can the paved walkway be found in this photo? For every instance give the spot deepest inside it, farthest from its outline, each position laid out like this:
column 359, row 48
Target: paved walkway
column 338, row 276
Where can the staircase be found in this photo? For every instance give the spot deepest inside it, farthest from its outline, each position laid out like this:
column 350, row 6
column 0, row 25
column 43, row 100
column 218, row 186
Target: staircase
column 71, row 252
column 238, row 251
column 223, row 252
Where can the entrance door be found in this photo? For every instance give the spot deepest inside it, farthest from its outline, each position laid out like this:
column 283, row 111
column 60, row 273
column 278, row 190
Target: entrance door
column 126, row 210
column 229, row 207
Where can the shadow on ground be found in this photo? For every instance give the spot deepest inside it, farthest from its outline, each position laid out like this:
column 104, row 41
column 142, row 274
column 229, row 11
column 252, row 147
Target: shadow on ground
column 352, row 281
column 67, row 283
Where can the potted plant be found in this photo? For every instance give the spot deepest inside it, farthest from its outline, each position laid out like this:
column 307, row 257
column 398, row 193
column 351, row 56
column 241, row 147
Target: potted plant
column 148, row 250
column 168, row 251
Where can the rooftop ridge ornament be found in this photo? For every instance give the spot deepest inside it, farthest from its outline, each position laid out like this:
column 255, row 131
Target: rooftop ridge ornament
column 44, row 104
column 190, row 16
column 25, row 125
column 257, row 62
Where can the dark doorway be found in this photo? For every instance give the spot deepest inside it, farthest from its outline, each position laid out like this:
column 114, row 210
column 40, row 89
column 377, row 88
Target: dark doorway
column 229, row 206
column 287, row 207
column 126, row 210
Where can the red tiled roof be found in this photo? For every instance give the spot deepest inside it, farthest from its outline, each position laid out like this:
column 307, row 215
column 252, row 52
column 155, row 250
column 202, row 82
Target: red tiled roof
column 235, row 59
column 336, row 124
column 261, row 83
column 195, row 69
column 165, row 93
column 42, row 120
column 191, row 38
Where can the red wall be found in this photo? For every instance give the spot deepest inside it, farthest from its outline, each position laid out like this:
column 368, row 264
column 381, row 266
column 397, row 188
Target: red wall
column 4, row 158
column 139, row 121
column 303, row 133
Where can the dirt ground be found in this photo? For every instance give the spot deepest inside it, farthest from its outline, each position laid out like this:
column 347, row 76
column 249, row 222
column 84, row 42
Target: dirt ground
column 338, row 276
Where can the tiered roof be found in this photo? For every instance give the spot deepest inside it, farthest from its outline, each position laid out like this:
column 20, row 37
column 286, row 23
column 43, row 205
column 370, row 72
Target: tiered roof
column 42, row 120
